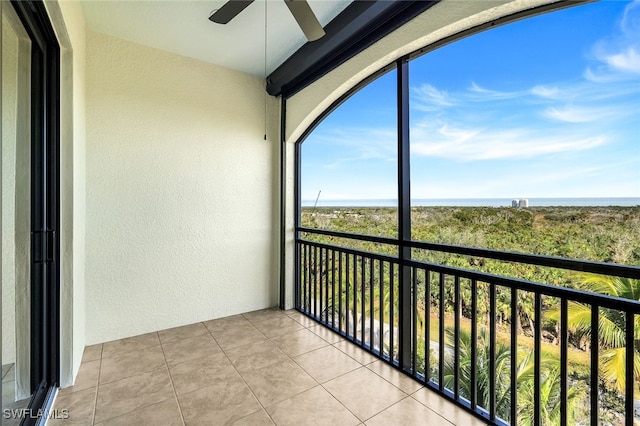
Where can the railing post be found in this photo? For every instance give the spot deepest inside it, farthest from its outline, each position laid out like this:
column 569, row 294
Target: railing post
column 595, row 357
column 629, row 367
column 283, row 215
column 404, row 218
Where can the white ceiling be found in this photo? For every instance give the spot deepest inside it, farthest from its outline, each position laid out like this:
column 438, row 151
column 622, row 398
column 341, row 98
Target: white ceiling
column 183, row 27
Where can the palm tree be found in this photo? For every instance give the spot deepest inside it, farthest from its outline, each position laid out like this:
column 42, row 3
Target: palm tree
column 611, row 325
column 549, row 380
column 483, row 373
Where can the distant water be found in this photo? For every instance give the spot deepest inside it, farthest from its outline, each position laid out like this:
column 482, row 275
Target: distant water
column 480, row 202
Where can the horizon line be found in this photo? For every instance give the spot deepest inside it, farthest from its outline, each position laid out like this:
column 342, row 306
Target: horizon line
column 477, row 198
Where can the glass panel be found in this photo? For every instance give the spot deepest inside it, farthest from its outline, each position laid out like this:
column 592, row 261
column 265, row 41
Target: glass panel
column 16, row 213
column 524, row 138
column 349, row 165
column 540, row 115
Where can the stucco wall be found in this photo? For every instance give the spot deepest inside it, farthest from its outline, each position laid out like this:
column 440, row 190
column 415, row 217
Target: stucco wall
column 68, row 22
column 181, row 191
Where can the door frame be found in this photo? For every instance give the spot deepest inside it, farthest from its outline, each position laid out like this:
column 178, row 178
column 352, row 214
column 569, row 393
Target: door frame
column 45, row 208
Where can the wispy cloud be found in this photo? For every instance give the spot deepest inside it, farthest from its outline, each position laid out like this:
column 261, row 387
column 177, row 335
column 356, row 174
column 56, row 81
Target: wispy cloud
column 545, row 91
column 630, row 22
column 494, row 143
column 537, row 180
column 571, row 114
column 462, row 143
column 615, row 66
column 617, row 57
column 353, row 144
column 486, row 94
column 578, row 115
column 626, row 61
column 428, row 98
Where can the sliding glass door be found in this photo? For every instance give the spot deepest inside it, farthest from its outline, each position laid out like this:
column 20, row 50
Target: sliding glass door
column 30, row 220
column 16, row 215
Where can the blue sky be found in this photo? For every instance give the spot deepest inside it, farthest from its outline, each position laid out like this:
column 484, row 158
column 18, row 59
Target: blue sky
column 545, row 107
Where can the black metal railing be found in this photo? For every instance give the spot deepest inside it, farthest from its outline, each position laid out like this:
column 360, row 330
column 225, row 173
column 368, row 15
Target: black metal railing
column 441, row 326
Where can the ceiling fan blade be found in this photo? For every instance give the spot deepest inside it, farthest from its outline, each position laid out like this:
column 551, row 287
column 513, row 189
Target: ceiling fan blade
column 229, row 10
column 306, row 19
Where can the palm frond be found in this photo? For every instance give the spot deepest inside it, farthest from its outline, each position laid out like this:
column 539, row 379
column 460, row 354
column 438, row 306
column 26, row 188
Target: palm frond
column 610, row 333
column 579, row 317
column 613, row 367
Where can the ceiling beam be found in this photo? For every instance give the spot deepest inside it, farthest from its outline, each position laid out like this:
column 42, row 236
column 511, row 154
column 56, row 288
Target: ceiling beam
column 357, row 27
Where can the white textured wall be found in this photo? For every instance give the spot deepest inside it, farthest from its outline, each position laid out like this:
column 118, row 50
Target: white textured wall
column 446, row 18
column 68, row 22
column 181, row 191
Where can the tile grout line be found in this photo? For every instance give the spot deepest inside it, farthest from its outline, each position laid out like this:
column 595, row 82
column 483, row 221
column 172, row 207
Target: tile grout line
column 242, row 378
column 286, row 354
column 269, row 339
column 364, row 365
column 137, row 374
column 384, row 409
column 95, row 402
column 322, row 384
column 166, row 365
column 327, row 390
column 129, row 375
column 290, row 358
column 397, row 402
column 169, row 372
column 302, row 353
column 294, row 395
column 393, row 384
column 340, row 402
column 407, row 395
column 434, row 408
column 430, row 409
column 173, row 386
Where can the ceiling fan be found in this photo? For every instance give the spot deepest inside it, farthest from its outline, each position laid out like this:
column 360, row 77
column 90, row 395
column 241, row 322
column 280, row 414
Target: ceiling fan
column 300, row 10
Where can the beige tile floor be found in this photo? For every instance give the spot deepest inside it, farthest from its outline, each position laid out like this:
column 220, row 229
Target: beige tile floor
column 260, row 368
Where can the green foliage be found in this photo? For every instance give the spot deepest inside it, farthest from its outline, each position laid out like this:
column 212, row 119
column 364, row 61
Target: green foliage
column 611, row 325
column 549, row 380
column 603, row 234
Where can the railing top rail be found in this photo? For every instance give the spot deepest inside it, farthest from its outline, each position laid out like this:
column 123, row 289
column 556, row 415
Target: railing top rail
column 602, row 268
column 596, row 299
column 359, row 237
column 377, row 256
